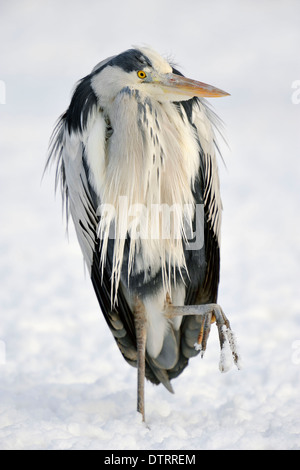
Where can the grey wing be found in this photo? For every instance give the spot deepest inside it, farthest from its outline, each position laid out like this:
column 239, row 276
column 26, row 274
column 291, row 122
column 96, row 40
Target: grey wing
column 206, row 122
column 206, row 192
column 75, row 176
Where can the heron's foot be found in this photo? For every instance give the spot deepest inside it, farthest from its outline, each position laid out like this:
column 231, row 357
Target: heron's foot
column 228, row 345
column 209, row 314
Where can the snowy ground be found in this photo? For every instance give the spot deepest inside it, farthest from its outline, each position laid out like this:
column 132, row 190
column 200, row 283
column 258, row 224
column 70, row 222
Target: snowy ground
column 63, row 382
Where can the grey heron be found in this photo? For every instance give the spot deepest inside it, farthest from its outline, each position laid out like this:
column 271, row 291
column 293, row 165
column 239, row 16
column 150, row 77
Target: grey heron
column 137, row 139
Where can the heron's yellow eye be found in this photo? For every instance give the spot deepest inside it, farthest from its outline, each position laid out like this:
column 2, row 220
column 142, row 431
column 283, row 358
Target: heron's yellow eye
column 141, row 74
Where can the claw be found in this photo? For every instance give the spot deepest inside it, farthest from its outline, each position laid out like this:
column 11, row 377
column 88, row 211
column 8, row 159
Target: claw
column 204, row 333
column 211, row 313
column 227, row 341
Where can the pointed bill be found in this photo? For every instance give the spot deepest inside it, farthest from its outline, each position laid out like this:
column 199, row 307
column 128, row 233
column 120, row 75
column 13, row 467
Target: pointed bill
column 177, row 84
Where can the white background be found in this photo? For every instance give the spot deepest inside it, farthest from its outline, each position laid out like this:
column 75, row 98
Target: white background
column 63, row 382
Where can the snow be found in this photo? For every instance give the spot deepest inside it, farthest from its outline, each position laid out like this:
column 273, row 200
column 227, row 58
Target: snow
column 64, row 384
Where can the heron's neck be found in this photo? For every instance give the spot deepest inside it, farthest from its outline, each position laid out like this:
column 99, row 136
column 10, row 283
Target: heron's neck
column 152, row 155
column 152, row 162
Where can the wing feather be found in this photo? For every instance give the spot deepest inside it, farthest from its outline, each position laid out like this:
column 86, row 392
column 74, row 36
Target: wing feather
column 69, row 148
column 207, row 192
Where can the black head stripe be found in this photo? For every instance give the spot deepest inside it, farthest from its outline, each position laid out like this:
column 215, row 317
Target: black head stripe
column 131, row 60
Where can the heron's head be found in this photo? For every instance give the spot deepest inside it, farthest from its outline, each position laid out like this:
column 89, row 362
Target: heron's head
column 145, row 70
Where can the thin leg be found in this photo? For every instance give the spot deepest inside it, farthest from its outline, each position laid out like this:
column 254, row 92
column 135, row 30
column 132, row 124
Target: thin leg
column 141, row 335
column 210, row 312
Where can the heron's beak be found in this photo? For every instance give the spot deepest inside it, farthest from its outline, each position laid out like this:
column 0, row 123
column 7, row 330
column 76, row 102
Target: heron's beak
column 182, row 86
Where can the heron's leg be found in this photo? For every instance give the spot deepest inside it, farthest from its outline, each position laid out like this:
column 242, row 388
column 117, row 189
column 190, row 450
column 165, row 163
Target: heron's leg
column 210, row 313
column 141, row 335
